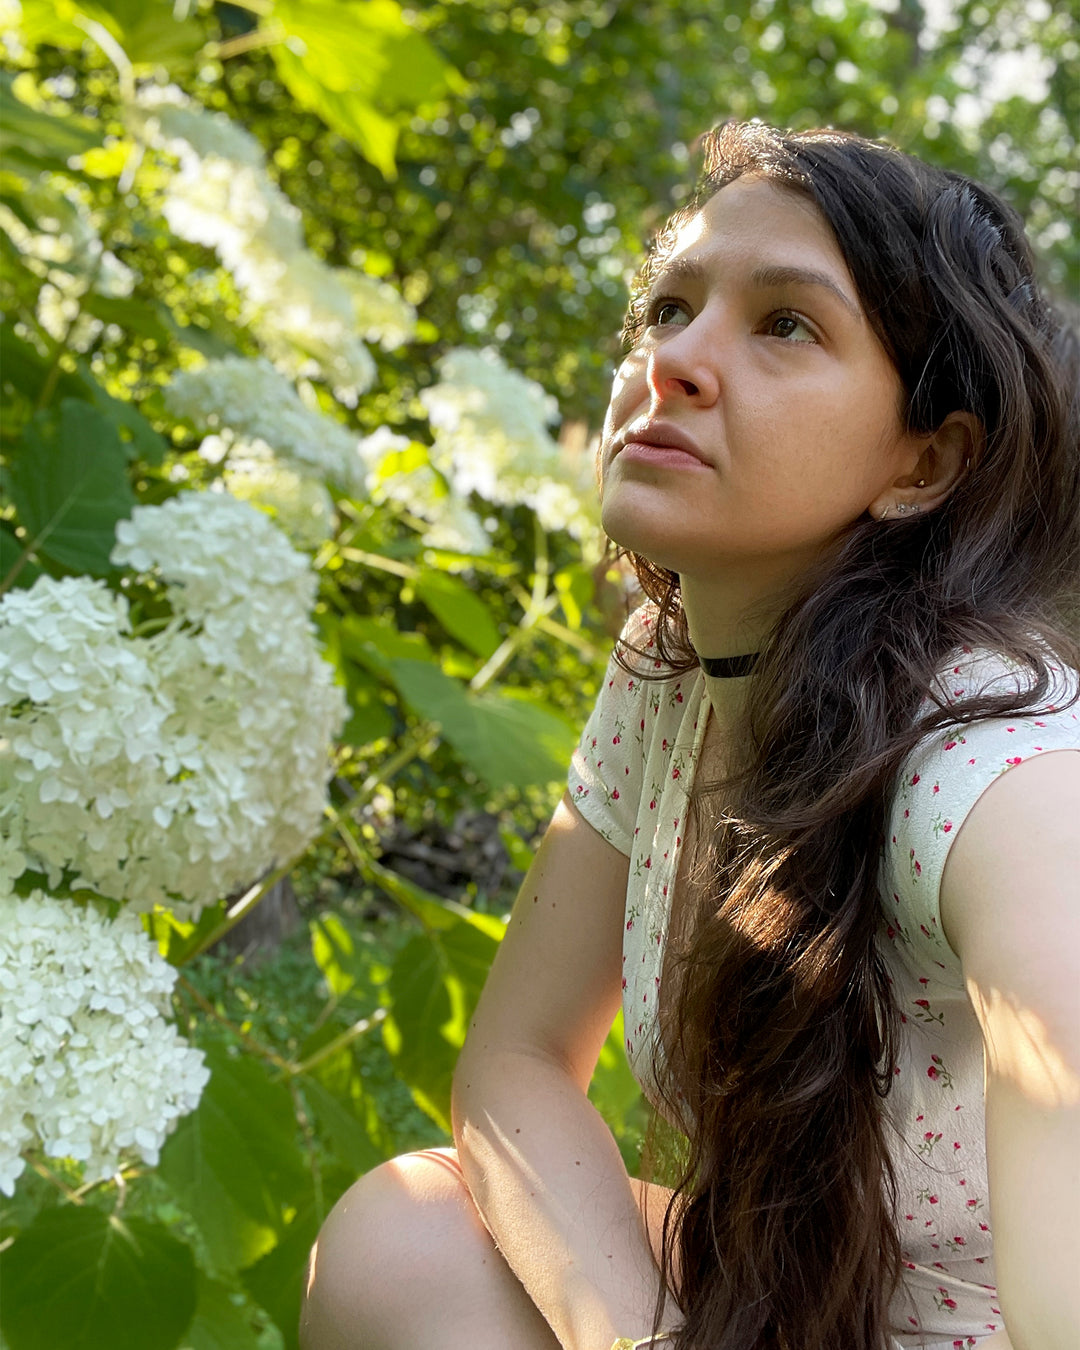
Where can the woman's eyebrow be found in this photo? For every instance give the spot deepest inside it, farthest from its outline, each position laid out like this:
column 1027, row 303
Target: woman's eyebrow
column 803, row 276
column 689, row 270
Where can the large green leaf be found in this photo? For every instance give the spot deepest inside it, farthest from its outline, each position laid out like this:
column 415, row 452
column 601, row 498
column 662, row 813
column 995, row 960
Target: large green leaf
column 148, row 33
column 23, row 371
column 334, row 951
column 68, row 481
column 84, row 1280
column 434, row 984
column 377, row 642
column 277, row 1280
column 356, row 63
column 507, row 737
column 151, row 34
column 460, row 611
column 234, row 1163
column 41, row 137
column 218, row 1323
column 341, row 1128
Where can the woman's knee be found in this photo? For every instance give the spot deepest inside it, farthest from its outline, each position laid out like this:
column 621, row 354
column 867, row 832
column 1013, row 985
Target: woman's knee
column 412, row 1214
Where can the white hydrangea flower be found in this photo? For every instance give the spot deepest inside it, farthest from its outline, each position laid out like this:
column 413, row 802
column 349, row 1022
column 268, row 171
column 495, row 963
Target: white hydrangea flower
column 313, row 319
column 175, row 768
column 258, row 403
column 297, row 502
column 399, row 472
column 89, row 1066
column 491, row 438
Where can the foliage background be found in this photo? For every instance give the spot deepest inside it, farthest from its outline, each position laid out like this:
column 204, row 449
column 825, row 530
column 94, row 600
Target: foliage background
column 499, row 165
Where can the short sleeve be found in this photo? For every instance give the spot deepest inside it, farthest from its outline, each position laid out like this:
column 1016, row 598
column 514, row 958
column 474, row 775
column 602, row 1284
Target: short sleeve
column 608, row 767
column 940, row 782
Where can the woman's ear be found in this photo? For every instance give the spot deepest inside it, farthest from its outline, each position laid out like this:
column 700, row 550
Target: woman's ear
column 940, row 461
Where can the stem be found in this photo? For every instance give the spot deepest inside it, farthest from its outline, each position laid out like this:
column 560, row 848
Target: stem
column 301, row 1114
column 377, row 561
column 409, row 751
column 347, row 1037
column 539, row 605
column 49, row 1175
column 249, row 1042
column 18, row 565
column 375, row 875
column 247, row 902
column 246, row 42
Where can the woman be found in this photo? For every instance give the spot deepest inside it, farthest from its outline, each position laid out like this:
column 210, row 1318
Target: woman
column 815, row 838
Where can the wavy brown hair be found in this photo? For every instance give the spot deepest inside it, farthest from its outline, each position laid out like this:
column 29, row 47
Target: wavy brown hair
column 778, row 1031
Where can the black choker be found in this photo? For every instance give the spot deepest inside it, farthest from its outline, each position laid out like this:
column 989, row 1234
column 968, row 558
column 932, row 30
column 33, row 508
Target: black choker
column 729, row 667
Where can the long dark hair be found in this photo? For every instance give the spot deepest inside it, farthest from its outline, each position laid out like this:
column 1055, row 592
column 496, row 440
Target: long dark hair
column 778, row 1031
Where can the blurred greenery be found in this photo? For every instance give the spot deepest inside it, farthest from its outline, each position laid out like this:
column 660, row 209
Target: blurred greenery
column 500, row 165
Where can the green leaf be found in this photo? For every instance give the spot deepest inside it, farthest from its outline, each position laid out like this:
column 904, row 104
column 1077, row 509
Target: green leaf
column 462, row 613
column 68, row 481
column 276, row 1282
column 356, row 63
column 234, row 1163
column 151, row 35
column 370, row 719
column 138, row 318
column 377, row 642
column 575, row 586
column 341, row 1128
column 43, row 138
column 23, row 371
column 85, row 1280
column 434, row 984
column 507, row 737
column 335, row 954
column 176, row 938
column 218, row 1323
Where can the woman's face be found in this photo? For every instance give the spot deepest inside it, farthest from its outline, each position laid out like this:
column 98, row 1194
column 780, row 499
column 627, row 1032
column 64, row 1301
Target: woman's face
column 758, row 413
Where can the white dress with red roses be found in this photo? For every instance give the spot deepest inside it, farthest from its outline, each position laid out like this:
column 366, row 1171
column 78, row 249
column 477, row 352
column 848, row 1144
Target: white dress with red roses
column 630, row 777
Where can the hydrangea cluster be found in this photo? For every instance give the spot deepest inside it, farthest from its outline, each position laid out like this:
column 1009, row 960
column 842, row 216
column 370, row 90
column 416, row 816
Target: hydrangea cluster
column 175, row 767
column 297, row 502
column 89, row 1065
column 258, row 403
column 492, row 438
column 400, row 472
column 312, row 319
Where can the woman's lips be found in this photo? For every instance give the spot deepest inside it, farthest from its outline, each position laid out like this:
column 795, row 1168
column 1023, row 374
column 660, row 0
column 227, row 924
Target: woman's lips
column 661, row 445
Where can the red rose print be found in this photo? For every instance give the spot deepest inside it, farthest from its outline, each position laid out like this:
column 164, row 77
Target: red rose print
column 914, row 780
column 950, row 745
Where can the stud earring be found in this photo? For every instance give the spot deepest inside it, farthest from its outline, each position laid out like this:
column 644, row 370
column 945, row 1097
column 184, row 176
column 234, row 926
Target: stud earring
column 902, row 508
column 921, row 482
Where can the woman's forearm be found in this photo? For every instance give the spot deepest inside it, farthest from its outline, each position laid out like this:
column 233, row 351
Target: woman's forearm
column 548, row 1180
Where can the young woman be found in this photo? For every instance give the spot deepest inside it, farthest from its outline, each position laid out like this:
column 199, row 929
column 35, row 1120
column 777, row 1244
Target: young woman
column 816, row 838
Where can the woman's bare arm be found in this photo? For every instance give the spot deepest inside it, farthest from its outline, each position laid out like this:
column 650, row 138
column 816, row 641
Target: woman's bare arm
column 1010, row 905
column 542, row 1166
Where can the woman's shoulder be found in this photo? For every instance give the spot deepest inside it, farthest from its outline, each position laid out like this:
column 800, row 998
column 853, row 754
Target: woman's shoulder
column 952, row 766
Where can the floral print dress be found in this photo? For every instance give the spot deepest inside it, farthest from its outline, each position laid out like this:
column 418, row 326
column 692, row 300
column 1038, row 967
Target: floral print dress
column 630, row 778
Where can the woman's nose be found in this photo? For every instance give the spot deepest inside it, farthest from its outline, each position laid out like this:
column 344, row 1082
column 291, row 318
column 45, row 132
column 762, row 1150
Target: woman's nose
column 684, row 365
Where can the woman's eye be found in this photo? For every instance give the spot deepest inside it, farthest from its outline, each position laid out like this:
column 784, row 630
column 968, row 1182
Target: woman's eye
column 790, row 326
column 668, row 312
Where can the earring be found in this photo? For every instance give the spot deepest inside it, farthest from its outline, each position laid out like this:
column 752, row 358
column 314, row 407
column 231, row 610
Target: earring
column 921, row 482
column 902, row 508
